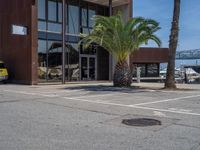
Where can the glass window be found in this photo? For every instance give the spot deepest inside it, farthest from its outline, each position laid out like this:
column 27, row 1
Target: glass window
column 72, row 61
column 41, row 9
column 86, row 30
column 73, row 19
column 42, row 46
column 55, row 27
column 41, row 25
column 152, row 70
column 91, row 50
column 92, row 13
column 54, row 60
column 42, row 62
column 59, row 12
column 52, row 11
column 84, row 17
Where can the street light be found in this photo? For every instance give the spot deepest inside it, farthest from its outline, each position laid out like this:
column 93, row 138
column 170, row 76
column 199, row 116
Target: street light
column 63, row 41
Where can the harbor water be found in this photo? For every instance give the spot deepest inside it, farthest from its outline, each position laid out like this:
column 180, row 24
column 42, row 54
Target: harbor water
column 183, row 62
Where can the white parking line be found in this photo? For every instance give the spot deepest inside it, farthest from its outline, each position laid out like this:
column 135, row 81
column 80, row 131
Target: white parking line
column 167, row 110
column 133, row 106
column 66, row 91
column 167, row 100
column 97, row 95
column 137, row 106
column 30, row 93
column 95, row 101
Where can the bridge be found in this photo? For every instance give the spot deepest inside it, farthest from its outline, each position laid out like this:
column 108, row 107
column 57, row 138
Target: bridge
column 188, row 54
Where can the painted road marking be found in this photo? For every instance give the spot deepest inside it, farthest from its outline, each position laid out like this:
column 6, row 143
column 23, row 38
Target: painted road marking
column 116, row 104
column 45, row 94
column 167, row 100
column 159, row 114
column 97, row 95
column 133, row 106
column 30, row 93
column 66, row 91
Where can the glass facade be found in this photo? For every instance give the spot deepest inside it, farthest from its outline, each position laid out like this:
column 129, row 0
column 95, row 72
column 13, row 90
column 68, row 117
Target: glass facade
column 147, row 70
column 79, row 64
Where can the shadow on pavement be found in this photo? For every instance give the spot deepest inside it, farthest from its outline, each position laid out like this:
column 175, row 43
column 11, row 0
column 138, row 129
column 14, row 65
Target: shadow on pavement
column 103, row 88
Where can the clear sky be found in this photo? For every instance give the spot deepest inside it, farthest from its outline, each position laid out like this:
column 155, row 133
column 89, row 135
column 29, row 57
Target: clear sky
column 162, row 10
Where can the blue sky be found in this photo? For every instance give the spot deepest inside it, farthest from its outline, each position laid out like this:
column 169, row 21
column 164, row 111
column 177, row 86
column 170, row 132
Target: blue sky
column 162, row 11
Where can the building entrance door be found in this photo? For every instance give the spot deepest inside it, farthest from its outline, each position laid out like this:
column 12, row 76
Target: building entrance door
column 88, row 67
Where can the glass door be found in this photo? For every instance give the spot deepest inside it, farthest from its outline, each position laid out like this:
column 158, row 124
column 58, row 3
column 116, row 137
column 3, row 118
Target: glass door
column 88, row 68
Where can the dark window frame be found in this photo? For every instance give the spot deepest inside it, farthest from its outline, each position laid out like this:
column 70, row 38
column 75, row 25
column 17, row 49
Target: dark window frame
column 57, row 11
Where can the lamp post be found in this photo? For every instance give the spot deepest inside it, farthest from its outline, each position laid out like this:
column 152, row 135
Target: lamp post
column 110, row 56
column 63, row 41
column 110, row 7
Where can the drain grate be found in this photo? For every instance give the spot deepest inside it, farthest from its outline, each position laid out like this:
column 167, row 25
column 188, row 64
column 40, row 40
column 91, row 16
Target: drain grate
column 141, row 122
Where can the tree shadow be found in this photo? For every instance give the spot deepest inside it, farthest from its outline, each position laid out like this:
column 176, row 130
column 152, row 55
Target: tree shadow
column 104, row 88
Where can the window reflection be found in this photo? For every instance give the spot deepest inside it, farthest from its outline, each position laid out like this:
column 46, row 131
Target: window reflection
column 42, row 62
column 55, row 27
column 152, row 70
column 41, row 9
column 92, row 13
column 86, row 31
column 73, row 19
column 52, row 11
column 147, row 70
column 41, row 25
column 72, row 58
column 59, row 12
column 91, row 50
column 54, row 60
column 84, row 17
column 50, row 38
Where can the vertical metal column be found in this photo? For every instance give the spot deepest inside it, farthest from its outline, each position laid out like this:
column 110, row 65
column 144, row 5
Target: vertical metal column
column 110, row 7
column 110, row 56
column 63, row 41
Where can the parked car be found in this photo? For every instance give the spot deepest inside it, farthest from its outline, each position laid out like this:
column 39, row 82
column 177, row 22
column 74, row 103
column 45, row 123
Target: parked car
column 3, row 72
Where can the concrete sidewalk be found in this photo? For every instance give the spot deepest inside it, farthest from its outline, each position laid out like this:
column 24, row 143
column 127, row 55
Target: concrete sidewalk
column 161, row 85
column 149, row 85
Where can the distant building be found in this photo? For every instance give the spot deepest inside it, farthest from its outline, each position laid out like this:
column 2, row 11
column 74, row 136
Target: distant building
column 33, row 32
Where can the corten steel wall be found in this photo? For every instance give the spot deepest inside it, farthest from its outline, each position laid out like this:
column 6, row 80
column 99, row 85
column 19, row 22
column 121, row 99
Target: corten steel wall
column 150, row 55
column 19, row 52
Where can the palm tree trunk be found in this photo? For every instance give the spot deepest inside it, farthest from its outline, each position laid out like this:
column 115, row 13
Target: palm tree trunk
column 170, row 79
column 122, row 74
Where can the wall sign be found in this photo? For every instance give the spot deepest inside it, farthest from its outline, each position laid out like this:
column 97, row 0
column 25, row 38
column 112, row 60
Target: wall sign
column 19, row 30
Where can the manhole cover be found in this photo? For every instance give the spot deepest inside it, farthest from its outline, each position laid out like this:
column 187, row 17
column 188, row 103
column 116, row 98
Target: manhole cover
column 141, row 122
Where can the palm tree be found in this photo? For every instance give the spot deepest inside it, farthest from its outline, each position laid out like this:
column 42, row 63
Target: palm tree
column 170, row 79
column 121, row 39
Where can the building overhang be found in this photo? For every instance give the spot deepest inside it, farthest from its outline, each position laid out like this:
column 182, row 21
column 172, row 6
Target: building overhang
column 150, row 55
column 115, row 3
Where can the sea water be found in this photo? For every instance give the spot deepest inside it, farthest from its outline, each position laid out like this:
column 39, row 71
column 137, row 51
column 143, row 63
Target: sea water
column 182, row 62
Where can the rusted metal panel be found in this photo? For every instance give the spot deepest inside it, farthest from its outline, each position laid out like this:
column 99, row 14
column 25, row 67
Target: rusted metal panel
column 106, row 2
column 150, row 55
column 18, row 51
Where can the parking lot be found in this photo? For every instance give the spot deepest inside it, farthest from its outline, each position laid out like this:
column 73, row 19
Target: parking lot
column 83, row 117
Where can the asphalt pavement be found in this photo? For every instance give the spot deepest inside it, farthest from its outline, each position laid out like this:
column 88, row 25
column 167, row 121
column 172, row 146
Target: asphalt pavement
column 89, row 117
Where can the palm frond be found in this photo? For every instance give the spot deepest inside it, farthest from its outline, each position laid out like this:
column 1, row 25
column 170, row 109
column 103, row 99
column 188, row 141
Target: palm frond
column 121, row 38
